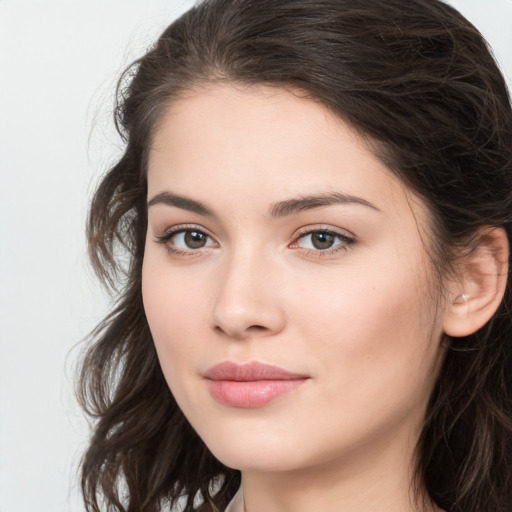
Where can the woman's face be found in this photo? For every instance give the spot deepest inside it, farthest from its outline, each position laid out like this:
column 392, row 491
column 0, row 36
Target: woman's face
column 286, row 285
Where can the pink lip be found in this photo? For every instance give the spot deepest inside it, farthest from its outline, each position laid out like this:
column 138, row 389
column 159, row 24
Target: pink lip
column 251, row 384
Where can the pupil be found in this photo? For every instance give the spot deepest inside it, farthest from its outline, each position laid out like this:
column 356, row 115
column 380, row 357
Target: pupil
column 322, row 240
column 195, row 240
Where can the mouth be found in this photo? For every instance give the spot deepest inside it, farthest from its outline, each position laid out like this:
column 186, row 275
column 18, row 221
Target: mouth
column 250, row 385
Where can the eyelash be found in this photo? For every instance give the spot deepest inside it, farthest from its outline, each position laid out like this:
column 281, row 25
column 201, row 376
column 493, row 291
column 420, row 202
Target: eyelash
column 345, row 241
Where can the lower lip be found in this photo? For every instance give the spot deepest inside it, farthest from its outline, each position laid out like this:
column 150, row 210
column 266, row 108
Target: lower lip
column 251, row 394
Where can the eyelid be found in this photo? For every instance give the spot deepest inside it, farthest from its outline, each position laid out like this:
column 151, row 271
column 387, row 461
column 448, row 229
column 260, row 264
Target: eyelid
column 323, row 228
column 178, row 228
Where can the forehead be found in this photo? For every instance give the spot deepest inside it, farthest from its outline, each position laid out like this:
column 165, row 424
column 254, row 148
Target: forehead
column 265, row 144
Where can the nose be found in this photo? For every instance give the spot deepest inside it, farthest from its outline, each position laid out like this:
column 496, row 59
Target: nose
column 247, row 303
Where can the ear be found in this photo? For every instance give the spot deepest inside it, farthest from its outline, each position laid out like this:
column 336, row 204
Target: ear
column 483, row 279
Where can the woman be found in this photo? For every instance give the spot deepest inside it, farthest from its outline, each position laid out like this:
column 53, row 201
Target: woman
column 315, row 313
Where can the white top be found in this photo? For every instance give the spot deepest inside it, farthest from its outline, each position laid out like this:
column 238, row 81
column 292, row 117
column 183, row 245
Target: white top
column 237, row 503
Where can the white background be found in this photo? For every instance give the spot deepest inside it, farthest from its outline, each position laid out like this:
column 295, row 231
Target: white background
column 59, row 60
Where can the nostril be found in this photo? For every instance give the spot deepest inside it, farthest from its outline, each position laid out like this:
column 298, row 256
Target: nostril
column 241, row 333
column 257, row 328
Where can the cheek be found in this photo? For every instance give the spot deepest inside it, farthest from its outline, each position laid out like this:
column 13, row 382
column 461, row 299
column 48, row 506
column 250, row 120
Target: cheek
column 174, row 310
column 359, row 298
column 374, row 331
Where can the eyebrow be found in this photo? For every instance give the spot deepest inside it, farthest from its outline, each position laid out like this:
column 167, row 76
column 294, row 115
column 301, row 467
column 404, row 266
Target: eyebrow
column 180, row 202
column 290, row 206
column 280, row 209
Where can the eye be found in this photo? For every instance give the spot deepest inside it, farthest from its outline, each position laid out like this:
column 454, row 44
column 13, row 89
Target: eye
column 185, row 240
column 323, row 241
column 190, row 239
column 318, row 240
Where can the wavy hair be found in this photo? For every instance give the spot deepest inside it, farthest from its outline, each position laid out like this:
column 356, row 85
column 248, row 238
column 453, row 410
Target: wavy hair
column 418, row 81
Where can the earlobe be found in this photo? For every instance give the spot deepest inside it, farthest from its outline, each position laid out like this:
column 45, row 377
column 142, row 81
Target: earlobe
column 479, row 292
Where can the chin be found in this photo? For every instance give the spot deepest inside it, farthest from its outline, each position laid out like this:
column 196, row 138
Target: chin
column 252, row 452
column 255, row 461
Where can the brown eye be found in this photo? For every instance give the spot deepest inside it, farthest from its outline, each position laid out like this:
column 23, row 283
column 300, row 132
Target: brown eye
column 195, row 239
column 184, row 240
column 322, row 240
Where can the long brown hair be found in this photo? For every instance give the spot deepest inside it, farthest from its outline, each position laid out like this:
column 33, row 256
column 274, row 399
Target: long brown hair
column 416, row 79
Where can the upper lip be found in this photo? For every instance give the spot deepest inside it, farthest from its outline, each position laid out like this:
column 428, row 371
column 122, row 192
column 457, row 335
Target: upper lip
column 248, row 372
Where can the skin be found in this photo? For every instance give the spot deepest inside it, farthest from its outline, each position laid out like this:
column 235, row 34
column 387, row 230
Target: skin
column 359, row 319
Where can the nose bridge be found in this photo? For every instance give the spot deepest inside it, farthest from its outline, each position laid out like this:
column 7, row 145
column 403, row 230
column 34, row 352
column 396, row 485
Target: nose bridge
column 246, row 301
